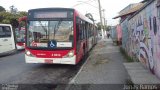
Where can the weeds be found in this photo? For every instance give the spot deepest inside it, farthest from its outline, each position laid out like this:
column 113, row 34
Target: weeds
column 129, row 81
column 126, row 56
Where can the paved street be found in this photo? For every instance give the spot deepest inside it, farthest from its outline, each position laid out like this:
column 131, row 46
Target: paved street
column 14, row 70
column 103, row 69
column 104, row 62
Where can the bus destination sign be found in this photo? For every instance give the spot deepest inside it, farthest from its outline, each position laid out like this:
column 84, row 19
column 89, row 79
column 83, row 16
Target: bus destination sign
column 50, row 15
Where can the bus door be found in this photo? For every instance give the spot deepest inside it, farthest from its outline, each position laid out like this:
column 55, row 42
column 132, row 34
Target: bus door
column 6, row 39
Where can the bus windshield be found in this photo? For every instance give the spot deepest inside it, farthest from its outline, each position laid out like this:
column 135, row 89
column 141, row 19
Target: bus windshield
column 20, row 35
column 50, row 34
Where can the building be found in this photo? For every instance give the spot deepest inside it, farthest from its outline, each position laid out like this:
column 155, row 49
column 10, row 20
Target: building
column 141, row 34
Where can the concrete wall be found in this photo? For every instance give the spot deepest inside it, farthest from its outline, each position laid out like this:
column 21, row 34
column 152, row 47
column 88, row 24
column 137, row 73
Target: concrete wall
column 141, row 37
column 113, row 33
column 116, row 34
column 119, row 33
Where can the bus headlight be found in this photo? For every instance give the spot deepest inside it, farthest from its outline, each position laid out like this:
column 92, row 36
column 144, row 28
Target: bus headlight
column 28, row 53
column 70, row 54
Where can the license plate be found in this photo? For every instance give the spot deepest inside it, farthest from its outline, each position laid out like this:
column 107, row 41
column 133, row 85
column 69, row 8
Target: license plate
column 48, row 61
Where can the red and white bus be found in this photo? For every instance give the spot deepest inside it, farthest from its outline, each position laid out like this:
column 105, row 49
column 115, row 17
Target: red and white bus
column 58, row 36
column 20, row 33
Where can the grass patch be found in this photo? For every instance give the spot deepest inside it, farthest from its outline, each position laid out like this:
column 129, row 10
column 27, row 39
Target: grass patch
column 125, row 55
column 129, row 81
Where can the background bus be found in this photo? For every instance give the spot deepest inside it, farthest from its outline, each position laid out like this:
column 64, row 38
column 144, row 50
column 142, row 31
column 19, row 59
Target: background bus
column 20, row 33
column 7, row 41
column 58, row 35
column 20, row 38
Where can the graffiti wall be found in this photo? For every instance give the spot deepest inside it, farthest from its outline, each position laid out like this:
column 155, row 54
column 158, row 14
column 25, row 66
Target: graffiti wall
column 125, row 35
column 141, row 36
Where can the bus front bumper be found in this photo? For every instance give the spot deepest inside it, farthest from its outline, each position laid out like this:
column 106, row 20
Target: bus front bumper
column 69, row 60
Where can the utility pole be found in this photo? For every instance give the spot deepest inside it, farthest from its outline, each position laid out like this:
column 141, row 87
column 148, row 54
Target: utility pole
column 100, row 13
column 104, row 21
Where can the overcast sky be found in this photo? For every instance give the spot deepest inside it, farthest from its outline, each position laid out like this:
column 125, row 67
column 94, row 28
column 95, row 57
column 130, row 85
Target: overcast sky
column 112, row 7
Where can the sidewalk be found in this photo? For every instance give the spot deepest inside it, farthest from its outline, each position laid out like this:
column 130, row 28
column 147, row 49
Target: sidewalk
column 106, row 69
column 140, row 75
column 103, row 66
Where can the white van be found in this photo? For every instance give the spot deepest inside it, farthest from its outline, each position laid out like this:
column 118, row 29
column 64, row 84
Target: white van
column 7, row 40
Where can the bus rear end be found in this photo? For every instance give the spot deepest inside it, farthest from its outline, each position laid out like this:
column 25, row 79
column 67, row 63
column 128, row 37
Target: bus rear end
column 50, row 36
column 20, row 33
column 20, row 38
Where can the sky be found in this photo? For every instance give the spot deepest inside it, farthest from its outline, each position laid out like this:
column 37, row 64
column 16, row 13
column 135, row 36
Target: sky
column 110, row 7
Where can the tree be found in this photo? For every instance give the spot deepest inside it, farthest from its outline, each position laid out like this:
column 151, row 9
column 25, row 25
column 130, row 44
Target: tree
column 14, row 22
column 99, row 26
column 13, row 9
column 5, row 17
column 22, row 13
column 9, row 18
column 107, row 28
column 2, row 9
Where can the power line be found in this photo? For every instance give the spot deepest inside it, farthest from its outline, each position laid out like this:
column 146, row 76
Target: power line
column 85, row 2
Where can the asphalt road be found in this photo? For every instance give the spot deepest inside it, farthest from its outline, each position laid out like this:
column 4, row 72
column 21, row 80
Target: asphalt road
column 14, row 70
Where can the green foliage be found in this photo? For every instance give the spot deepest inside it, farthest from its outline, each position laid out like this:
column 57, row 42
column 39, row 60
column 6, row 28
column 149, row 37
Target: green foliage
column 9, row 18
column 14, row 23
column 128, row 58
column 99, row 26
column 2, row 9
column 108, row 28
column 22, row 13
column 6, row 17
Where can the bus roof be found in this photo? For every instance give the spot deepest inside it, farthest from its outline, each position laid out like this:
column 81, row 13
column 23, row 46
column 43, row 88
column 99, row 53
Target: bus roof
column 69, row 9
column 83, row 17
column 39, row 9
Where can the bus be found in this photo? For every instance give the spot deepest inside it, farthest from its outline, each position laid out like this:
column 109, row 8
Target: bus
column 20, row 33
column 58, row 36
column 7, row 39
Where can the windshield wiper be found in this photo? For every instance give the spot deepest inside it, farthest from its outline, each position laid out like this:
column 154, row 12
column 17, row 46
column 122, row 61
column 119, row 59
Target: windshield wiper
column 45, row 30
column 57, row 27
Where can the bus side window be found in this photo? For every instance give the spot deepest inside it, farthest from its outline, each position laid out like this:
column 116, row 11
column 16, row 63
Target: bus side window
column 78, row 36
column 86, row 31
column 77, row 29
column 81, row 30
column 89, row 30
